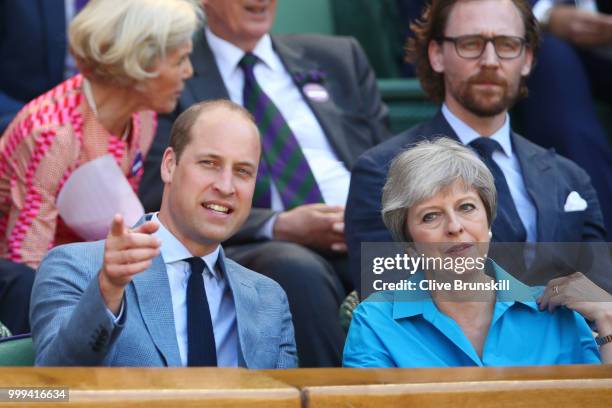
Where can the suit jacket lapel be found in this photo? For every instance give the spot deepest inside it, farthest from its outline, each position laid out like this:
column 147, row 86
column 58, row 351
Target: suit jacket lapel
column 155, row 301
column 327, row 113
column 438, row 126
column 206, row 83
column 54, row 17
column 245, row 302
column 537, row 166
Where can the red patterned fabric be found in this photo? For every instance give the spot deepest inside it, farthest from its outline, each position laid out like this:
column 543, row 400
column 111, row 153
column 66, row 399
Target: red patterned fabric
column 52, row 136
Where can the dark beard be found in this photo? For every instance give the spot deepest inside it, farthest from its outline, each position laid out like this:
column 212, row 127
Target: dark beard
column 467, row 96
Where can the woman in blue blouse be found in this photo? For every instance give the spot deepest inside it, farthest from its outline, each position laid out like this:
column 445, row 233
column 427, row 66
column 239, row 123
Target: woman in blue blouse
column 442, row 198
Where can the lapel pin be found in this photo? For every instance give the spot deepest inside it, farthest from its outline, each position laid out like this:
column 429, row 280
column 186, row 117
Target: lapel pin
column 311, row 83
column 316, row 92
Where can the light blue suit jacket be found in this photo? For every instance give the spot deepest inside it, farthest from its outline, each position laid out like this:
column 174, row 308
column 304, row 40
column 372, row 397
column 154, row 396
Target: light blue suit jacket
column 72, row 327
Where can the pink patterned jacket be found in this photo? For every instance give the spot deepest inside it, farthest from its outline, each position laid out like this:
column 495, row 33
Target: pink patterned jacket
column 52, row 136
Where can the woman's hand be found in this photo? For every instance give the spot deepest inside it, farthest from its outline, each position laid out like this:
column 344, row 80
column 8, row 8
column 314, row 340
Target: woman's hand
column 579, row 293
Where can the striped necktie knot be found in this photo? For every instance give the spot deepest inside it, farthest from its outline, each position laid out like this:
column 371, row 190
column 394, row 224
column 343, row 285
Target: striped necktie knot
column 248, row 62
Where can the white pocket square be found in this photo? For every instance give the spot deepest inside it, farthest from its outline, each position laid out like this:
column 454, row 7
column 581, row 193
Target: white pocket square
column 574, row 203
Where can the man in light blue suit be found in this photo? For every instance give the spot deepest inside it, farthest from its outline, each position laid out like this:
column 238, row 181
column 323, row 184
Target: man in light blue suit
column 163, row 293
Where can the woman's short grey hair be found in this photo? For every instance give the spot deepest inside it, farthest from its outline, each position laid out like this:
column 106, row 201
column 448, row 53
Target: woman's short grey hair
column 119, row 41
column 424, row 170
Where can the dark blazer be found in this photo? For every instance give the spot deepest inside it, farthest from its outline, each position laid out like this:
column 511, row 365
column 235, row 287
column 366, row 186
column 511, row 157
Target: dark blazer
column 603, row 6
column 353, row 119
column 32, row 51
column 548, row 177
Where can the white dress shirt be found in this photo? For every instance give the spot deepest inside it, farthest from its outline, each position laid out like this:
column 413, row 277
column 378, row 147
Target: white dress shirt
column 218, row 293
column 509, row 165
column 332, row 177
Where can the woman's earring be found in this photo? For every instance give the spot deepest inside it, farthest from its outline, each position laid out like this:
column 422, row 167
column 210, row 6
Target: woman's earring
column 490, row 234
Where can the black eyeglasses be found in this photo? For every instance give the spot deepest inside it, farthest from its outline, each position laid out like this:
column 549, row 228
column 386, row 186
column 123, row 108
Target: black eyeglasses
column 472, row 46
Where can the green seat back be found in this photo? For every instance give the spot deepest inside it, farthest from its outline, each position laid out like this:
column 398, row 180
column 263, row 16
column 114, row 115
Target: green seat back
column 300, row 16
column 408, row 104
column 376, row 25
column 17, row 352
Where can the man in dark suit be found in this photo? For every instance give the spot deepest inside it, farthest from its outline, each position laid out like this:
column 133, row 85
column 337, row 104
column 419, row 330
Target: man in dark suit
column 34, row 55
column 572, row 74
column 33, row 51
column 320, row 95
column 542, row 197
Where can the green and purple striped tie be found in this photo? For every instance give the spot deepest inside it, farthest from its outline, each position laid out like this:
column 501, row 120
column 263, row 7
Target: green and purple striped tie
column 283, row 161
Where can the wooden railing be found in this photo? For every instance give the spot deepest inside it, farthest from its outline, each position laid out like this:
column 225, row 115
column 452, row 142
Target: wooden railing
column 555, row 387
column 156, row 387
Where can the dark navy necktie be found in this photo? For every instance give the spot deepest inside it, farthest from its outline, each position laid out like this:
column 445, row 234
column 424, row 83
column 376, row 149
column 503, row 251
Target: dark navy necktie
column 507, row 223
column 200, row 335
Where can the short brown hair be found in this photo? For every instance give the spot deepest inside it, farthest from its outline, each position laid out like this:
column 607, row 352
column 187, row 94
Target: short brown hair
column 431, row 27
column 180, row 136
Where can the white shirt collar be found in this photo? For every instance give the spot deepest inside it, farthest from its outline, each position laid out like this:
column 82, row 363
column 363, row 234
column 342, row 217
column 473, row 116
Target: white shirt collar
column 228, row 55
column 466, row 134
column 172, row 250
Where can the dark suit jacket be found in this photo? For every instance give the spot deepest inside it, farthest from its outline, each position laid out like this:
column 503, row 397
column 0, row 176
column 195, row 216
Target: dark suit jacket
column 604, row 6
column 549, row 178
column 353, row 119
column 32, row 51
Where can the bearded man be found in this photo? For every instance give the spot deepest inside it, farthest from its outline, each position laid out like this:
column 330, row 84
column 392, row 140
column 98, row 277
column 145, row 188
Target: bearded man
column 474, row 56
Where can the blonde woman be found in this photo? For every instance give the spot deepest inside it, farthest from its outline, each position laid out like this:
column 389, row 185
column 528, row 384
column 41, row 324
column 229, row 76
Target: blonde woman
column 134, row 59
